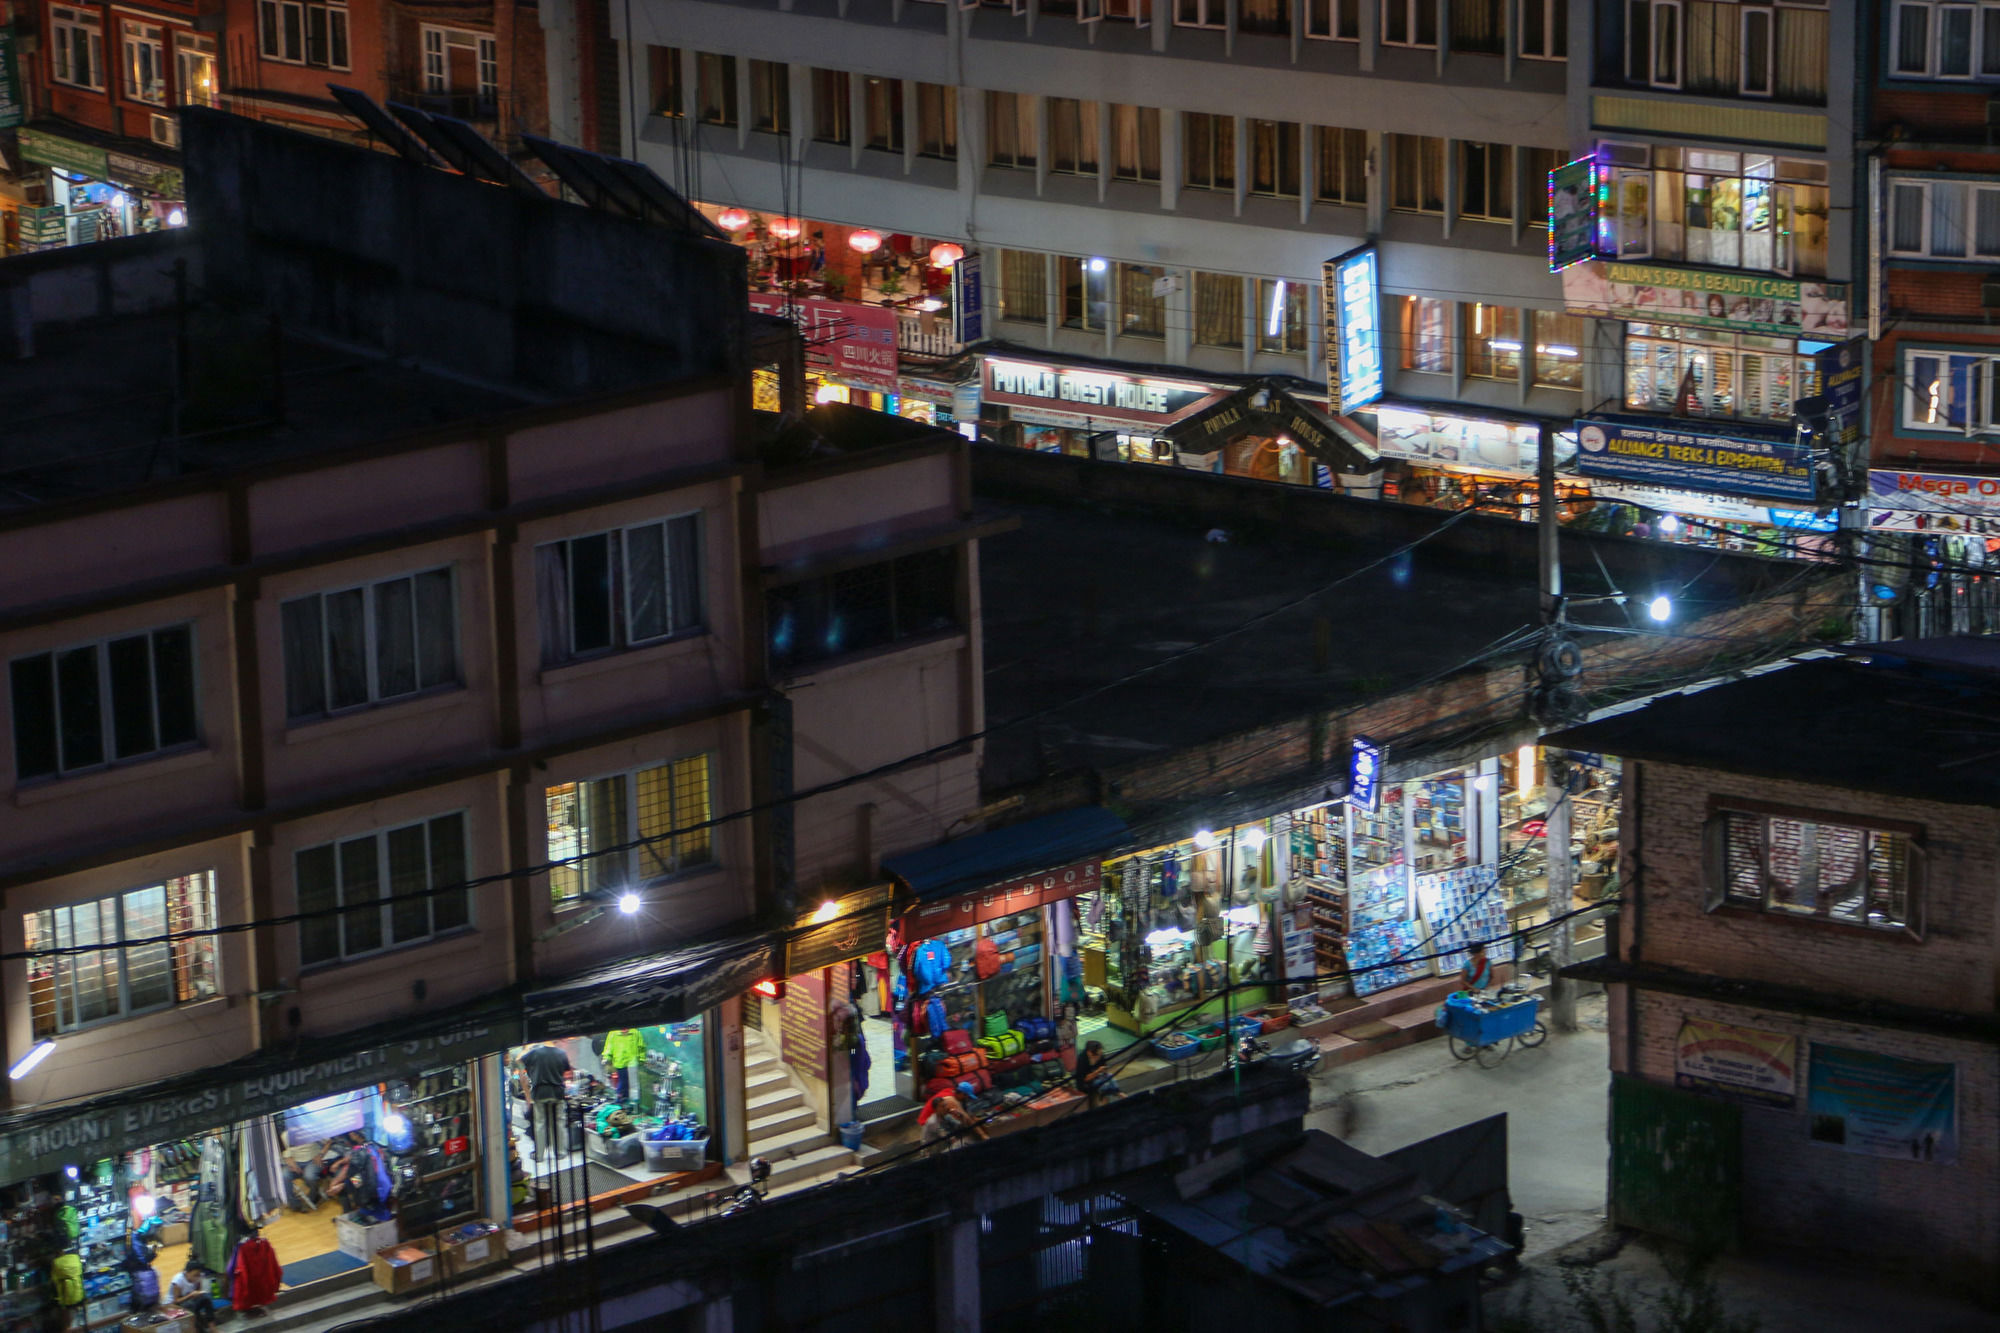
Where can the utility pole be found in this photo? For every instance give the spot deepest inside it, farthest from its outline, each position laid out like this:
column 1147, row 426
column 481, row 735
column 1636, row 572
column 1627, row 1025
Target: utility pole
column 1555, row 827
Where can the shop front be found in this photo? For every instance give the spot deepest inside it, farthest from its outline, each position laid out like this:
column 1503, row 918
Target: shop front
column 1263, row 432
column 1448, row 459
column 95, row 194
column 1088, row 412
column 1939, row 536
column 1733, row 485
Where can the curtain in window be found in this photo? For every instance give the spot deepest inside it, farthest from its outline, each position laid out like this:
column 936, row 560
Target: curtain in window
column 1218, row 310
column 646, row 581
column 1802, row 55
column 693, row 804
column 437, row 630
column 1947, row 219
column 1476, row 26
column 603, row 814
column 1267, row 16
column 1135, row 143
column 1144, row 314
column 1986, row 222
column 347, row 648
column 1713, row 48
column 395, row 639
column 1024, row 285
column 552, row 601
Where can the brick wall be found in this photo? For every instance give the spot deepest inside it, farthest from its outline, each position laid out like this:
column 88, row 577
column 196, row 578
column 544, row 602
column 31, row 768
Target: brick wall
column 1936, row 293
column 1928, row 113
column 1935, row 1219
column 1951, row 968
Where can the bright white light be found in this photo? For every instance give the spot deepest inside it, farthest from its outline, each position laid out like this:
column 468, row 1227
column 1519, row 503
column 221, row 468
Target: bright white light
column 1668, row 523
column 1097, row 266
column 1483, row 783
column 1660, row 608
column 70, row 1171
column 145, row 1205
column 930, row 303
column 1159, row 939
column 1276, row 322
column 396, row 1124
column 825, row 912
column 1524, row 766
column 1253, row 840
column 628, row 903
column 829, row 393
column 1204, row 839
column 177, row 217
column 1241, row 916
column 1558, row 351
column 26, row 1064
column 1502, row 345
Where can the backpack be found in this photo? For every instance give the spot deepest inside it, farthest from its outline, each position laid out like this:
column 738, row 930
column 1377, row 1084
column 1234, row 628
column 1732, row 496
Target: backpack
column 957, row 1041
column 985, row 958
column 145, row 1289
column 66, row 1275
column 930, row 963
column 934, row 1016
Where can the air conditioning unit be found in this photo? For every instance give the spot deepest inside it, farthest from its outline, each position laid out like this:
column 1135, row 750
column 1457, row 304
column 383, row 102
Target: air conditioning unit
column 1167, row 285
column 1989, row 292
column 166, row 130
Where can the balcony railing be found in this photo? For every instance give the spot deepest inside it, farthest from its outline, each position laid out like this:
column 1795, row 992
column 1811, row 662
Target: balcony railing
column 918, row 334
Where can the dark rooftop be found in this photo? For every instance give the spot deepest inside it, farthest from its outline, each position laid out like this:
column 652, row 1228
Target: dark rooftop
column 1918, row 718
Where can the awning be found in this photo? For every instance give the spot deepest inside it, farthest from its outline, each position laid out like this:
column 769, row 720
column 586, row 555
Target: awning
column 1266, row 409
column 968, row 864
column 653, row 988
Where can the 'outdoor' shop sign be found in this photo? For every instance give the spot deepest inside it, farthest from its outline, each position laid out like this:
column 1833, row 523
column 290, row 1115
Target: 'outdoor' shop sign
column 1701, row 461
column 77, row 1136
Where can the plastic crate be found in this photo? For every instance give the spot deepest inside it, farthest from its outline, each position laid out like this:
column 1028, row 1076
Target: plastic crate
column 1275, row 1023
column 669, row 1155
column 1187, row 1052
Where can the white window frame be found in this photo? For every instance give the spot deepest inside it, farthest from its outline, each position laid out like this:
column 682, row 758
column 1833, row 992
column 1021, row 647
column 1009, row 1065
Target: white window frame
column 619, row 867
column 1927, row 246
column 274, row 39
column 621, row 630
column 385, row 902
column 437, row 76
column 200, row 882
column 1721, row 870
column 1553, row 11
column 1930, row 63
column 1919, row 409
column 1769, row 73
column 1210, row 14
column 1412, row 11
column 1323, row 20
column 67, row 26
column 139, row 40
column 371, row 647
column 191, row 50
column 107, row 709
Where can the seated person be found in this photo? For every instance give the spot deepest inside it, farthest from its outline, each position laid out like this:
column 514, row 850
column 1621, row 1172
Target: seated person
column 189, row 1290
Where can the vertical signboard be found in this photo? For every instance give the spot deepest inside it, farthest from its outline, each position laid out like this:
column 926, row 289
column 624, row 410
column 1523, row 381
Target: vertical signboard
column 1840, row 368
column 12, row 112
column 1364, row 774
column 1329, row 322
column 1572, row 213
column 1357, row 279
column 968, row 295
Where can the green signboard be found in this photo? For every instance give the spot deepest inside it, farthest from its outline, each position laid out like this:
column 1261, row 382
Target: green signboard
column 64, row 154
column 11, row 110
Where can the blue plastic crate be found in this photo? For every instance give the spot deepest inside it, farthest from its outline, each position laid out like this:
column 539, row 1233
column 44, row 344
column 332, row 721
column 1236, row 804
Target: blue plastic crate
column 1476, row 1026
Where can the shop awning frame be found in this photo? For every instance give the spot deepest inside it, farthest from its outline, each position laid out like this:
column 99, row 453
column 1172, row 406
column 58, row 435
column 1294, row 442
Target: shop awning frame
column 653, row 988
column 966, row 865
column 1268, row 408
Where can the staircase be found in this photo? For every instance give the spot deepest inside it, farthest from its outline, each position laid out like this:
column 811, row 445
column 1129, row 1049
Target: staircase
column 784, row 1128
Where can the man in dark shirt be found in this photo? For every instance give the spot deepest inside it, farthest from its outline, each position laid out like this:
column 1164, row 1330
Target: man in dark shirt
column 545, row 1069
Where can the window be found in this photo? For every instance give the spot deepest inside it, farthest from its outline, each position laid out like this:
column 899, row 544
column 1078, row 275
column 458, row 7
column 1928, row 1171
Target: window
column 715, row 89
column 462, row 66
column 1478, row 25
column 145, row 63
column 1948, row 391
column 362, row 645
column 1218, row 310
column 103, row 702
column 618, row 589
column 1722, row 48
column 382, row 890
column 1416, row 174
column 1086, row 292
column 651, row 806
column 1010, row 130
column 1758, row 73
column 76, row 42
column 1142, row 309
column 858, row 609
column 194, row 70
column 1210, row 151
column 1273, row 17
column 1540, row 162
column 1832, row 869
column 1653, row 43
column 664, row 66
column 1492, row 342
column 770, row 96
column 1281, row 315
column 1073, row 136
column 1558, row 350
column 1937, row 219
column 1727, row 210
column 1409, row 23
column 937, row 121
column 1334, row 20
column 882, row 114
column 1135, row 143
column 1201, row 13
column 1946, row 41
column 79, row 990
column 1426, row 324
column 1695, row 372
column 1342, row 158
column 1024, row 286
column 1486, row 181
column 1545, row 29
column 303, row 34
column 830, row 109
column 1274, row 158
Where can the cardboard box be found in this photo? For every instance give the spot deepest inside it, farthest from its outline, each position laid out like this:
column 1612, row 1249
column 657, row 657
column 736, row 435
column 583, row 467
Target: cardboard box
column 173, row 1233
column 408, row 1266
column 177, row 1321
column 476, row 1255
column 363, row 1240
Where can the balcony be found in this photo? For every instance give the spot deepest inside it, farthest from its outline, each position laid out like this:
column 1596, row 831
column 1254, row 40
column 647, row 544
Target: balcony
column 483, row 109
column 926, row 335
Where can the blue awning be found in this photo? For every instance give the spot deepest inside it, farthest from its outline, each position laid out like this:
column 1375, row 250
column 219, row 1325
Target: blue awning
column 965, row 865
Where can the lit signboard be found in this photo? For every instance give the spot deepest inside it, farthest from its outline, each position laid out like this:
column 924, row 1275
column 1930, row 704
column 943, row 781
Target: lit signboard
column 1572, row 213
column 1356, row 279
column 1364, row 774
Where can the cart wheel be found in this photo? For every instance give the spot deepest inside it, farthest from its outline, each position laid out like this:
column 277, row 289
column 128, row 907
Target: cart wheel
column 1460, row 1050
column 1535, row 1035
column 1489, row 1056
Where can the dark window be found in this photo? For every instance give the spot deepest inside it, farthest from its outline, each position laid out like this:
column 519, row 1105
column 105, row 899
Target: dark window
column 360, row 645
column 382, row 889
column 123, row 698
column 882, row 104
column 617, row 589
column 830, row 109
column 864, row 608
column 1210, row 151
column 937, row 121
column 715, row 89
column 664, row 64
column 770, row 96
column 1832, row 869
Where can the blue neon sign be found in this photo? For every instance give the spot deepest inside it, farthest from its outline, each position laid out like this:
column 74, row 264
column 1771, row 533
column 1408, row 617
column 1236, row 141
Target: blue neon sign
column 1364, row 773
column 1356, row 279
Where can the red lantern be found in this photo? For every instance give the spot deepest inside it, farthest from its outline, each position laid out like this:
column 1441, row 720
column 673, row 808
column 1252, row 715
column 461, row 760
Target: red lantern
column 786, row 229
column 733, row 219
column 867, row 242
column 945, row 253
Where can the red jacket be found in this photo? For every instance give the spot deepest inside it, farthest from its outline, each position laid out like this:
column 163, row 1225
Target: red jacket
column 256, row 1273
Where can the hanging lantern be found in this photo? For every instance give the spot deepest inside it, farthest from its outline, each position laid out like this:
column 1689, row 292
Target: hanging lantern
column 946, row 253
column 866, row 241
column 733, row 219
column 786, row 229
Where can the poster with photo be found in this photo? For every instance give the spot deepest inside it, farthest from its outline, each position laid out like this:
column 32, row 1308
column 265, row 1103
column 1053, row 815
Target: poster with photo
column 1461, row 906
column 1882, row 1106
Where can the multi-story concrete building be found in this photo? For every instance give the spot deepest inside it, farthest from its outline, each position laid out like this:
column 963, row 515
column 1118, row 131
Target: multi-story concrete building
column 1802, row 1002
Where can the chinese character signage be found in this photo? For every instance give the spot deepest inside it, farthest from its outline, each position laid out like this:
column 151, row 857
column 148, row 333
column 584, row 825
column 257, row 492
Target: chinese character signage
column 1355, row 278
column 968, row 295
column 853, row 342
column 1572, row 214
column 1364, row 774
column 1740, row 302
column 1694, row 460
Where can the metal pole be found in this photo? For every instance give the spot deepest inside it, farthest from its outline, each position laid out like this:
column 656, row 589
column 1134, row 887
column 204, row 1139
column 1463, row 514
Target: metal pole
column 1549, row 558
column 1562, row 992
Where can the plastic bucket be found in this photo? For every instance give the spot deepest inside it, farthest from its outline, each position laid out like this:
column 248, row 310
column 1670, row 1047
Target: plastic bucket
column 850, row 1135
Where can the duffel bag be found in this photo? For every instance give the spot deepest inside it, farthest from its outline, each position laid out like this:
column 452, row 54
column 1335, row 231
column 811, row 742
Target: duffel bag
column 957, row 1041
column 958, row 1066
column 996, row 1023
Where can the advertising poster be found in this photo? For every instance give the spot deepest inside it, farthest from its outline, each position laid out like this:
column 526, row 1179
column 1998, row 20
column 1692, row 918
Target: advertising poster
column 856, row 343
column 1462, row 906
column 1361, row 378
column 1882, row 1106
column 1902, row 500
column 1742, row 1064
column 1779, row 468
column 1840, row 368
column 1572, row 213
column 1741, row 302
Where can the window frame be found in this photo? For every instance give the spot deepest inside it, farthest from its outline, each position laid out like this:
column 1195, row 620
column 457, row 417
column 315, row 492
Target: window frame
column 68, row 26
column 178, row 953
column 135, row 39
column 715, row 67
column 1287, row 144
column 576, row 872
column 1498, row 192
column 371, row 648
column 907, row 619
column 285, row 32
column 832, row 91
column 937, row 121
column 385, row 901
column 107, row 706
column 1020, row 109
column 1927, row 247
column 1141, row 117
column 1297, row 301
column 1796, row 372
column 1982, row 373
column 1487, row 357
column 1209, row 14
column 882, row 113
column 191, row 51
column 1554, row 25
column 1720, row 871
column 1932, row 63
column 1088, row 117
column 1347, row 197
column 619, row 603
column 1219, row 133
column 1414, row 14
column 1333, row 20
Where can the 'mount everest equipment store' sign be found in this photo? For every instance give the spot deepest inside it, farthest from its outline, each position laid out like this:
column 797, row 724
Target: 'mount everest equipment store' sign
column 1640, row 449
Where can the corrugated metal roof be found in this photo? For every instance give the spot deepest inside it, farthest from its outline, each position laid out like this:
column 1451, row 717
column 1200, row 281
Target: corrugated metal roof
column 1043, row 843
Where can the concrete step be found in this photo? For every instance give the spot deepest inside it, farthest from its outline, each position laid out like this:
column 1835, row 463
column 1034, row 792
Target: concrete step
column 819, row 1161
column 796, row 1116
column 765, row 1081
column 790, row 1143
column 774, row 1099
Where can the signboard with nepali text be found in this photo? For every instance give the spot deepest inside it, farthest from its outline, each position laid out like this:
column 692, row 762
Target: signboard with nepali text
column 1882, row 1106
column 853, row 342
column 1740, row 302
column 1694, row 460
column 1742, row 1064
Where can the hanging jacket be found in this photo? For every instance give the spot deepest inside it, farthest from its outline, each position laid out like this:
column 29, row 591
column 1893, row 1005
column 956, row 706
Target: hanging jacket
column 623, row 1049
column 985, row 958
column 66, row 1276
column 255, row 1282
column 930, row 965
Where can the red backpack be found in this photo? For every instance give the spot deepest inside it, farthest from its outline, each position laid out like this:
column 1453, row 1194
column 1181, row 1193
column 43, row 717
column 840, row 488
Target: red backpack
column 985, row 959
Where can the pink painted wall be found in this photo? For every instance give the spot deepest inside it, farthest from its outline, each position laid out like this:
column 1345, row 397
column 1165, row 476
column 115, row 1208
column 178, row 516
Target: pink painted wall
column 46, row 562
column 690, row 431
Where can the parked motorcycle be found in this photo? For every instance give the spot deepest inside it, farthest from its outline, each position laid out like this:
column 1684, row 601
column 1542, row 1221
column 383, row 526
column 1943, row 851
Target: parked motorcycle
column 1300, row 1055
column 752, row 1194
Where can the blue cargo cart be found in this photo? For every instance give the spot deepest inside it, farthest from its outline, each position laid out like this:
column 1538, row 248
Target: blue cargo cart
column 1486, row 1030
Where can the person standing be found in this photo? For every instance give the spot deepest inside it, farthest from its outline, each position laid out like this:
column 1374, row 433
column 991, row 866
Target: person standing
column 545, row 1069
